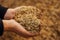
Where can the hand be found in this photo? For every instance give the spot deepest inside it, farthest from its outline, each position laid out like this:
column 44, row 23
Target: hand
column 12, row 25
column 9, row 14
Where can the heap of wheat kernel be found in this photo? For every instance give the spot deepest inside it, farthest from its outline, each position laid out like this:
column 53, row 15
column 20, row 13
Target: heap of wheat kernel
column 28, row 17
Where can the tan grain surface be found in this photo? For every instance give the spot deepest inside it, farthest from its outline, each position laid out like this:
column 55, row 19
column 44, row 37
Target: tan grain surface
column 50, row 18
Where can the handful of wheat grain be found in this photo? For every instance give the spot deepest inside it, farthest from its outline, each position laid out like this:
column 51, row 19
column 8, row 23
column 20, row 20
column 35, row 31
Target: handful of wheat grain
column 28, row 17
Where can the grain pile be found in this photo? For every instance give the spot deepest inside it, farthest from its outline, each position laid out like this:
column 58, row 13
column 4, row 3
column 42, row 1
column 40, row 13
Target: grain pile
column 28, row 17
column 49, row 19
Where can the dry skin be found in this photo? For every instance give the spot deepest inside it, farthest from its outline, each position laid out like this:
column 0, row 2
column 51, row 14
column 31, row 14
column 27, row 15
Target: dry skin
column 28, row 17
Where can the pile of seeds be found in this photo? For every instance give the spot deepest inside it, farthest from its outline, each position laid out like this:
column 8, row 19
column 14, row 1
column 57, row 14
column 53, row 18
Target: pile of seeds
column 28, row 17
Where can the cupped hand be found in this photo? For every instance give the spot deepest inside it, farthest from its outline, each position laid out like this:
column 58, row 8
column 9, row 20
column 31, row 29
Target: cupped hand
column 10, row 13
column 12, row 25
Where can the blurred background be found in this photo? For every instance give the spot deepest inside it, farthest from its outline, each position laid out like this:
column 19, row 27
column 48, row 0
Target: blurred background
column 50, row 27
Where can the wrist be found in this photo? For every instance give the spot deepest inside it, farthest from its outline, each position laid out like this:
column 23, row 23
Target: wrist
column 6, row 24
